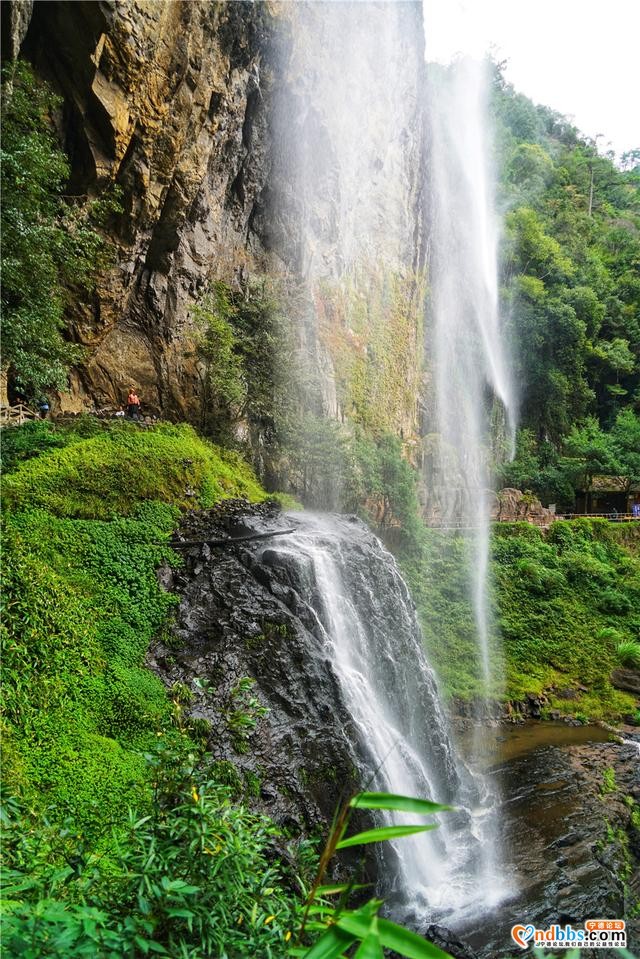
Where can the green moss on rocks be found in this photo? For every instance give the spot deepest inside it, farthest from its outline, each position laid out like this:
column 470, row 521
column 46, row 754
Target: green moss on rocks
column 85, row 528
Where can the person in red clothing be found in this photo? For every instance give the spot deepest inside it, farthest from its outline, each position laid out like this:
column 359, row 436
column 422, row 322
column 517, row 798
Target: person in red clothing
column 133, row 404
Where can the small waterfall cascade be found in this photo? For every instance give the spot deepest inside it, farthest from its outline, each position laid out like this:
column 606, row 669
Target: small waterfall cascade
column 401, row 742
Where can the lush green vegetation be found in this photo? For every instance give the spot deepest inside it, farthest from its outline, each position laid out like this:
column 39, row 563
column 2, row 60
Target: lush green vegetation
column 51, row 247
column 86, row 526
column 563, row 604
column 110, row 474
column 90, row 734
column 191, row 873
column 571, row 287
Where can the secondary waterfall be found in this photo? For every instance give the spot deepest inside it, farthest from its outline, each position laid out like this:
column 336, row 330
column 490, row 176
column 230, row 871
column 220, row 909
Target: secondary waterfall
column 401, row 741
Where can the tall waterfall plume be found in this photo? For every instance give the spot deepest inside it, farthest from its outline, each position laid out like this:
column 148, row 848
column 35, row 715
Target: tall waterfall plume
column 472, row 386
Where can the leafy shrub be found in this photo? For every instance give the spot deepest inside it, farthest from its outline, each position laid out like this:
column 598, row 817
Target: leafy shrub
column 540, row 580
column 198, row 876
column 48, row 243
column 614, row 601
column 243, row 713
column 584, row 568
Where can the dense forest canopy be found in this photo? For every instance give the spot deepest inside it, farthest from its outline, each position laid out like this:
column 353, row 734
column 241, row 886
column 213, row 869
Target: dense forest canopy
column 570, row 274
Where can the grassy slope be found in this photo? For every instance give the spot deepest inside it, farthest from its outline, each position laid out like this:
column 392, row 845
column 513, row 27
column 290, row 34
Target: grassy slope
column 84, row 531
column 563, row 603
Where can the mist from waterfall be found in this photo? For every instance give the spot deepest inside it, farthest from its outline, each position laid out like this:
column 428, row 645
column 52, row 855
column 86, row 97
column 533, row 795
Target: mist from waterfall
column 466, row 346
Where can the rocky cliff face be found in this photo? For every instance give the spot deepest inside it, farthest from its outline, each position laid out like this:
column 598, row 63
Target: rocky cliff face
column 238, row 621
column 246, row 138
column 167, row 100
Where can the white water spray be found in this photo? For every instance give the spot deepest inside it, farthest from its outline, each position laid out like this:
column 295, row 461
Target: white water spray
column 400, row 740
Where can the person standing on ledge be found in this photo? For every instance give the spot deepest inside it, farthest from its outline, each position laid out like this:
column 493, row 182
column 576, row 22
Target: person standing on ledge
column 133, row 404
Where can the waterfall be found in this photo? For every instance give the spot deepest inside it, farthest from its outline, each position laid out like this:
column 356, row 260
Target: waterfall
column 401, row 741
column 466, row 344
column 360, row 192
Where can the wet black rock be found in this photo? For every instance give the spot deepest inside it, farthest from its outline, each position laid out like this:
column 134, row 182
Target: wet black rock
column 626, row 679
column 445, row 939
column 238, row 618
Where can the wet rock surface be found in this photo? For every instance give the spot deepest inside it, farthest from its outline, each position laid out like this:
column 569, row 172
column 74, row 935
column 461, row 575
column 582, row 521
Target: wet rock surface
column 626, row 679
column 238, row 619
column 569, row 845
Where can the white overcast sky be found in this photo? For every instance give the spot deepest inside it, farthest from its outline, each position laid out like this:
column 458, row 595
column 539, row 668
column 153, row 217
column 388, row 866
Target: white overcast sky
column 580, row 57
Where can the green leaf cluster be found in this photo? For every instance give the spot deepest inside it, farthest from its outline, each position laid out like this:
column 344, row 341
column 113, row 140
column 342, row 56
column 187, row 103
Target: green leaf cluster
column 50, row 244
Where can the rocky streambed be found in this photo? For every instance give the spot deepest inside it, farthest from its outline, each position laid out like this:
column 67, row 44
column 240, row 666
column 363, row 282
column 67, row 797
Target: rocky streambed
column 569, row 846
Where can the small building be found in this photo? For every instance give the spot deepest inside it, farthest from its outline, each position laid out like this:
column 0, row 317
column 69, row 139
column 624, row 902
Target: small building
column 608, row 494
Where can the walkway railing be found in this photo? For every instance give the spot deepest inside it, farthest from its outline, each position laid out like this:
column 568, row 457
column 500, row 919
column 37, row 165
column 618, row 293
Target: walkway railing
column 16, row 415
column 612, row 517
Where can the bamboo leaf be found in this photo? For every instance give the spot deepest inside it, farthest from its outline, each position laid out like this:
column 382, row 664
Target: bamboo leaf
column 422, row 807
column 370, row 948
column 394, row 937
column 382, row 834
column 408, row 943
column 341, row 887
column 330, row 945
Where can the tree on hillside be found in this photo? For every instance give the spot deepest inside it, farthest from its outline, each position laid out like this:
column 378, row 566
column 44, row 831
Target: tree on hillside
column 590, row 452
column 626, row 438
